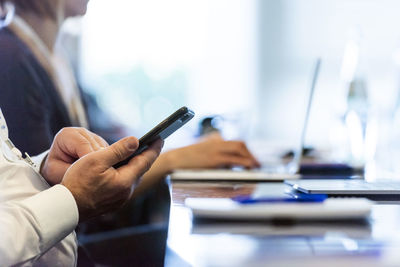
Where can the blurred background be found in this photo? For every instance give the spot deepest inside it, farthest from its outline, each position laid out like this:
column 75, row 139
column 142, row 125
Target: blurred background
column 251, row 62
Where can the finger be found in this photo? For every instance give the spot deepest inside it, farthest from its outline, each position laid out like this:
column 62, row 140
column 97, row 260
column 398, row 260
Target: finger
column 246, row 153
column 118, row 151
column 72, row 144
column 239, row 148
column 81, row 147
column 231, row 160
column 213, row 136
column 235, row 147
column 142, row 162
column 102, row 143
column 90, row 138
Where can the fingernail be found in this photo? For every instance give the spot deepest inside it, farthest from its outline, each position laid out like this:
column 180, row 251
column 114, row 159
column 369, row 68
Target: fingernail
column 130, row 145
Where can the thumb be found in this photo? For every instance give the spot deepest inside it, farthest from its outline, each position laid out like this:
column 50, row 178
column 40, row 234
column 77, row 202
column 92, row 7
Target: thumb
column 118, row 151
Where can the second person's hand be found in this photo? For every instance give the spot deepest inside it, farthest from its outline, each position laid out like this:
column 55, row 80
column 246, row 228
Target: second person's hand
column 212, row 152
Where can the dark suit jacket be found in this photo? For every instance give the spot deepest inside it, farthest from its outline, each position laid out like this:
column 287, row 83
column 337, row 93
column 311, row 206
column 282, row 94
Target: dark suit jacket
column 29, row 100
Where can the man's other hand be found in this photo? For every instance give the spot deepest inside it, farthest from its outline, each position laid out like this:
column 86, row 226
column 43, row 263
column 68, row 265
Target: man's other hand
column 69, row 145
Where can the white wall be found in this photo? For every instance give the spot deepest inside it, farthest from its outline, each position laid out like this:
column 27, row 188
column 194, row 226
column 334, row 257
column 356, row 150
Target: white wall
column 250, row 59
column 294, row 33
column 213, row 43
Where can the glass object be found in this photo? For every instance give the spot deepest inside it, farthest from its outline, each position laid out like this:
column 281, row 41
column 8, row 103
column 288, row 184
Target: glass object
column 356, row 120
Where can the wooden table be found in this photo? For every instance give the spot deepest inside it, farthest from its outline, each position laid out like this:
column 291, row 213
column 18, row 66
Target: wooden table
column 190, row 243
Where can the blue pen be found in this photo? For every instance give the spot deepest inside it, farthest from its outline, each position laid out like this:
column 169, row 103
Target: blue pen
column 298, row 198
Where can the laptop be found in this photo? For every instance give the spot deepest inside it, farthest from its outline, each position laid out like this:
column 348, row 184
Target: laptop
column 377, row 190
column 276, row 172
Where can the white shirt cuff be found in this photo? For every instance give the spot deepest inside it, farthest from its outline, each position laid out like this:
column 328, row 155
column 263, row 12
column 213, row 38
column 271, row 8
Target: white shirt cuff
column 39, row 159
column 57, row 214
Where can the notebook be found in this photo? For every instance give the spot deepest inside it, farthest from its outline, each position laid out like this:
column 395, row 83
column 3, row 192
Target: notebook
column 330, row 209
column 277, row 172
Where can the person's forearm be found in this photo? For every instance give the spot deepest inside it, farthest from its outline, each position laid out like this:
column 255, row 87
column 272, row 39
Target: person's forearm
column 163, row 166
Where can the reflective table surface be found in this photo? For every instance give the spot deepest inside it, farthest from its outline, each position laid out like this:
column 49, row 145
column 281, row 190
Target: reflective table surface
column 371, row 242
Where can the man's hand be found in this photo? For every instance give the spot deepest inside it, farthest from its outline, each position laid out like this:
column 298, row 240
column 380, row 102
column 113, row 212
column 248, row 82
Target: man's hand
column 99, row 188
column 69, row 145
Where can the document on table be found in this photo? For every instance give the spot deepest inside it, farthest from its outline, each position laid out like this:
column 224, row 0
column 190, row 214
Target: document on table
column 329, row 209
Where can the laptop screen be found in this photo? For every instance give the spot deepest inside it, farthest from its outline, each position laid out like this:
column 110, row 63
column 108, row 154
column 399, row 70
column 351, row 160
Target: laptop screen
column 299, row 106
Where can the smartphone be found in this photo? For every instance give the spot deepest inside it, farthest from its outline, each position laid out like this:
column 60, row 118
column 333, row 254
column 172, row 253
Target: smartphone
column 164, row 129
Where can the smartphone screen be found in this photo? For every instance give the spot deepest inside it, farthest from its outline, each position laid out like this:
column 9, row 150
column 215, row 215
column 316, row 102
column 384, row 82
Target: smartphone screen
column 164, row 129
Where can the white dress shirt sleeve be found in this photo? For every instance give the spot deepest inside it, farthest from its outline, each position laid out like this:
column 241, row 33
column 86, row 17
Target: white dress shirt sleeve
column 31, row 226
column 38, row 160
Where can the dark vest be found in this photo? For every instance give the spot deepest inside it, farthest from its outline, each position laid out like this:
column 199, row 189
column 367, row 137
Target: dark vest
column 29, row 100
